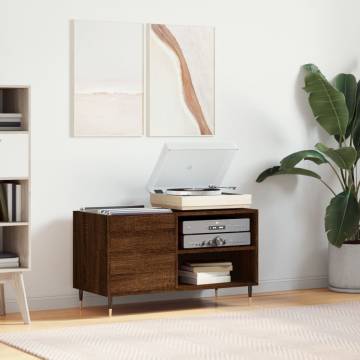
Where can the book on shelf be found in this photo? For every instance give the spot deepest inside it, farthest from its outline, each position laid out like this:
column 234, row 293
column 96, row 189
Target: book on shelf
column 10, row 202
column 213, row 267
column 4, row 255
column 9, row 260
column 205, row 272
column 3, row 207
column 203, row 275
column 10, row 121
column 8, row 265
column 214, row 263
column 214, row 280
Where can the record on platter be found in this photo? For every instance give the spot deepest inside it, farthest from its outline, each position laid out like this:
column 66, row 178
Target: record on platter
column 194, row 191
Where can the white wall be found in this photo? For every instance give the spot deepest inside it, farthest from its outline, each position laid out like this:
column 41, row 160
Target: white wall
column 260, row 46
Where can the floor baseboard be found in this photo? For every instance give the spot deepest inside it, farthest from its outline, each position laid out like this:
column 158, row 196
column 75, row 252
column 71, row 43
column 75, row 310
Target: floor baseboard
column 71, row 300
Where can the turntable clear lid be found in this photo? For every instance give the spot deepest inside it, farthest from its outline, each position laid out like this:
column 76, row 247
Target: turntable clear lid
column 188, row 165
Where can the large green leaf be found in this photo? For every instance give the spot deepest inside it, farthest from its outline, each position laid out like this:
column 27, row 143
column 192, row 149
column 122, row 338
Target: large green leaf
column 293, row 159
column 327, row 103
column 346, row 83
column 344, row 157
column 342, row 218
column 356, row 121
column 311, row 68
column 276, row 170
column 356, row 136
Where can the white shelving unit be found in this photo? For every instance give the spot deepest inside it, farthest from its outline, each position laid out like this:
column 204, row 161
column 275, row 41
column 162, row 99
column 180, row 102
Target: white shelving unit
column 15, row 167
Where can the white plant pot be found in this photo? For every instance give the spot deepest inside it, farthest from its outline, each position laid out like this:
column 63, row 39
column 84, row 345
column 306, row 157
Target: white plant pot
column 344, row 274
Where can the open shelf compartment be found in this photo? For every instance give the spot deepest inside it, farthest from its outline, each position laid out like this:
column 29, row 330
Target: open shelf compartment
column 15, row 240
column 24, row 218
column 245, row 271
column 15, row 100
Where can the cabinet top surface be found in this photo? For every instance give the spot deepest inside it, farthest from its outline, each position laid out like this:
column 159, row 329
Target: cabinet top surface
column 237, row 211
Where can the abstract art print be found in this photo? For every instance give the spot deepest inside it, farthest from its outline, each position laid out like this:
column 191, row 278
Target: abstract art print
column 180, row 80
column 107, row 78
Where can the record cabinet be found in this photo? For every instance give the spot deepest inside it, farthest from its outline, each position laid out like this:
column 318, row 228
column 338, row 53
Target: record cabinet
column 118, row 255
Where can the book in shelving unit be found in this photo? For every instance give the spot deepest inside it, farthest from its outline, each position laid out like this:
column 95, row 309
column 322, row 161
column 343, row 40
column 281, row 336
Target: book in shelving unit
column 9, row 260
column 10, row 122
column 205, row 273
column 10, row 202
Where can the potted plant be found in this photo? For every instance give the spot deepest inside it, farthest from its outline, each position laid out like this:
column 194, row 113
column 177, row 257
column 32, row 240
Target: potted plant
column 336, row 108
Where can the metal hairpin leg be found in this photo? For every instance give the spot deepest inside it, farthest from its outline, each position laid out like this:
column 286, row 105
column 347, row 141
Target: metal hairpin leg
column 110, row 305
column 81, row 295
column 250, row 294
column 2, row 300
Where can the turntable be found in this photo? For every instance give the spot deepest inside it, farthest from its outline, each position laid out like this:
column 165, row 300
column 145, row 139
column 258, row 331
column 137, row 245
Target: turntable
column 189, row 177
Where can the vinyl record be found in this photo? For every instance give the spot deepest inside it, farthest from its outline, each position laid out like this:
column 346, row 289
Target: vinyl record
column 194, row 191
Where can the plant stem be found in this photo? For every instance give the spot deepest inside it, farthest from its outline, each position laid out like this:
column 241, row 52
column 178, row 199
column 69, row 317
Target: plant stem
column 337, row 174
column 328, row 186
column 343, row 178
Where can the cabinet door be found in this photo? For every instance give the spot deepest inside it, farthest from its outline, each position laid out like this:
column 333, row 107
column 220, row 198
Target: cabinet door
column 14, row 155
column 142, row 253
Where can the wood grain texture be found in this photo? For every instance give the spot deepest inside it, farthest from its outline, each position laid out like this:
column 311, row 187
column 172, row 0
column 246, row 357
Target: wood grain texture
column 143, row 282
column 141, row 223
column 142, row 262
column 190, row 97
column 158, row 241
column 90, row 263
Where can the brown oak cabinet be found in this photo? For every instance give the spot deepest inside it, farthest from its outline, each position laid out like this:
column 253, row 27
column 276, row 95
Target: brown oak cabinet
column 117, row 255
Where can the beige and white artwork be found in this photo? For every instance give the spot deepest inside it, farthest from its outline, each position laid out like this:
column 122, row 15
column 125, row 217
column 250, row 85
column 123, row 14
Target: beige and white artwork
column 180, row 80
column 108, row 78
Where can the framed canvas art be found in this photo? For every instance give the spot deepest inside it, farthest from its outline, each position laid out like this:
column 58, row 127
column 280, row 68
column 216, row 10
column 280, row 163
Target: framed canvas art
column 107, row 78
column 180, row 80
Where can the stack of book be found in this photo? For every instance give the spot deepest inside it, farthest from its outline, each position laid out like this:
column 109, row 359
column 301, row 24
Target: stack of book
column 205, row 273
column 8, row 260
column 10, row 121
column 10, row 202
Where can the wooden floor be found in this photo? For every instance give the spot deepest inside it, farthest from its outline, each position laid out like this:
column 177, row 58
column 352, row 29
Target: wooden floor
column 98, row 315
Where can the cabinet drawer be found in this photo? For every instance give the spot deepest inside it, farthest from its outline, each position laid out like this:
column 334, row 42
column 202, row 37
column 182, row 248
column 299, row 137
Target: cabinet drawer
column 154, row 242
column 14, row 155
column 125, row 284
column 139, row 263
column 141, row 223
